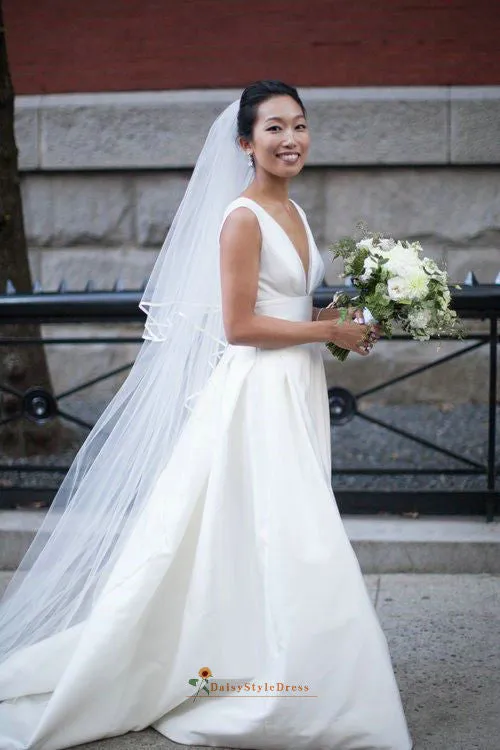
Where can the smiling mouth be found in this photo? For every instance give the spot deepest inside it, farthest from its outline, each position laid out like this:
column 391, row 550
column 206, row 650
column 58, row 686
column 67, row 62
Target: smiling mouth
column 289, row 157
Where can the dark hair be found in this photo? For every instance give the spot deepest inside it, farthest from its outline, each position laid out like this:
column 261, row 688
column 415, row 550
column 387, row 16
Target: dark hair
column 254, row 95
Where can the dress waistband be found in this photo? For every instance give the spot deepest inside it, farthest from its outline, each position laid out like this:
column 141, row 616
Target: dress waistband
column 287, row 308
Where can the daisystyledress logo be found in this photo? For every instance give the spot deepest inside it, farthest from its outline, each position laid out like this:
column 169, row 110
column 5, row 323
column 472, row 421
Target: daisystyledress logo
column 254, row 689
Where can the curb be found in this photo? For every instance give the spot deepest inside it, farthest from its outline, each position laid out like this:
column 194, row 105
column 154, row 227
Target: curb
column 383, row 544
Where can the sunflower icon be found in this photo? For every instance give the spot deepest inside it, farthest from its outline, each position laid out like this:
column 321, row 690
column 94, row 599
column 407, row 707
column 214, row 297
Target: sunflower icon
column 201, row 682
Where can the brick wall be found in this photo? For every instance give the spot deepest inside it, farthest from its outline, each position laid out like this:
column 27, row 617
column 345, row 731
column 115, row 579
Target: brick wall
column 60, row 46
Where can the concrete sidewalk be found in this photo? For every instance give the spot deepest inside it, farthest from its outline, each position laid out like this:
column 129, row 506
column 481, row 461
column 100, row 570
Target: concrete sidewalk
column 444, row 635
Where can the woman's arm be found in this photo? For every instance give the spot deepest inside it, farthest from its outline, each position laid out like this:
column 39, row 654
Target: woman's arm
column 333, row 313
column 325, row 313
column 240, row 242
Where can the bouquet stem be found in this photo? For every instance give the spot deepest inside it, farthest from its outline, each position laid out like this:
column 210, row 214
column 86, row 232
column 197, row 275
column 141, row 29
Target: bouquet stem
column 337, row 351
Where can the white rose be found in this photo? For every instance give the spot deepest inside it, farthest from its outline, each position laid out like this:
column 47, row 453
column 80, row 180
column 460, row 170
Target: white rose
column 402, row 262
column 398, row 289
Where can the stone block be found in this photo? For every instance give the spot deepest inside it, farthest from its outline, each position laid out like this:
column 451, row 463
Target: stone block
column 103, row 266
column 377, row 125
column 35, row 263
column 349, row 125
column 485, row 262
column 128, row 130
column 65, row 210
column 26, row 131
column 38, row 209
column 308, row 190
column 71, row 365
column 475, row 125
column 157, row 198
column 438, row 206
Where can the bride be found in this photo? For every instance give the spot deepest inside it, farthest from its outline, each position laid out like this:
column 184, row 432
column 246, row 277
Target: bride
column 193, row 573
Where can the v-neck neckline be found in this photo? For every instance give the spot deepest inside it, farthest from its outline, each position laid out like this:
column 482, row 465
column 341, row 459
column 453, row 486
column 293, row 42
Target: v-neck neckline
column 307, row 274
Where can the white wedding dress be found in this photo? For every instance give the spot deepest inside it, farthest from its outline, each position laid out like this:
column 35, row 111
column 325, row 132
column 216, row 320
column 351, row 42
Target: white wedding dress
column 249, row 573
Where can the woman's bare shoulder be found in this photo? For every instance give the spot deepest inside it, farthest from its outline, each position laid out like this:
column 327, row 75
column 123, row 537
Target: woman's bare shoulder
column 240, row 219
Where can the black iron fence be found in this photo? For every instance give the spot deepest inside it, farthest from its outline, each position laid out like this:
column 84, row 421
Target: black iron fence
column 473, row 301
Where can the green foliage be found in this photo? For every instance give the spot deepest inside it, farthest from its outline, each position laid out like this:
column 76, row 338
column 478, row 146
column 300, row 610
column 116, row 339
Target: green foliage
column 357, row 262
column 343, row 248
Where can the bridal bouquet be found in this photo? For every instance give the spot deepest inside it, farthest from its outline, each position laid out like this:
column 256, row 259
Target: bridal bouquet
column 396, row 286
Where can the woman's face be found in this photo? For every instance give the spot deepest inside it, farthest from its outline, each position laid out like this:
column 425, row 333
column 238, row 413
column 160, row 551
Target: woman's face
column 280, row 140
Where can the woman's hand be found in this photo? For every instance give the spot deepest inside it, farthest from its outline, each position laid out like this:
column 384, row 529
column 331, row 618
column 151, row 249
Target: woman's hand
column 357, row 337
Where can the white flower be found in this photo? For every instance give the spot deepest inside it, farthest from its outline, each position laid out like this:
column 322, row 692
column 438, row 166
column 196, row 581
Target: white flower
column 406, row 290
column 369, row 266
column 398, row 289
column 430, row 265
column 402, row 261
column 420, row 318
column 445, row 299
column 433, row 269
column 418, row 284
column 366, row 244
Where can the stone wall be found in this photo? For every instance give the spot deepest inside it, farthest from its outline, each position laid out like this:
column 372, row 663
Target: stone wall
column 103, row 176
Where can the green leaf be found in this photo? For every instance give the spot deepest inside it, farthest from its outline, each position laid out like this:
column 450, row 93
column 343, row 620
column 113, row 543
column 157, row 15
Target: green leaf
column 193, row 682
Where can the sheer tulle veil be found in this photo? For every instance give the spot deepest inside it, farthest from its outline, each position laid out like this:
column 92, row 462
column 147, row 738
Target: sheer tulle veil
column 114, row 471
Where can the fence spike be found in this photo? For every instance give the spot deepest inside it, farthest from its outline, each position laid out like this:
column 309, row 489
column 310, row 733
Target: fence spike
column 118, row 285
column 63, row 287
column 470, row 279
column 89, row 286
column 9, row 287
column 37, row 286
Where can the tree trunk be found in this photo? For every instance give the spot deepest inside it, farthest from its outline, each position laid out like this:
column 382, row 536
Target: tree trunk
column 20, row 366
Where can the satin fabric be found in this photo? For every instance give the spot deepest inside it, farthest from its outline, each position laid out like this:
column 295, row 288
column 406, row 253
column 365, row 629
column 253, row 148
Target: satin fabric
column 240, row 563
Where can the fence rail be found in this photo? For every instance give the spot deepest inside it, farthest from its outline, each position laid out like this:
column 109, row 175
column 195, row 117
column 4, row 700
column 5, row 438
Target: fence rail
column 471, row 301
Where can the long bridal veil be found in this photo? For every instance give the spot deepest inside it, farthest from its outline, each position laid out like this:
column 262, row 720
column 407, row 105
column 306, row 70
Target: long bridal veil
column 114, row 471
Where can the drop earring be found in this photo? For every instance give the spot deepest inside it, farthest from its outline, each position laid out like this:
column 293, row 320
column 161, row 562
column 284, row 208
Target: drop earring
column 250, row 160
